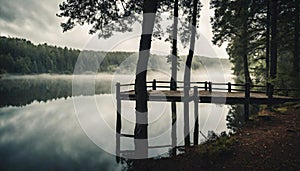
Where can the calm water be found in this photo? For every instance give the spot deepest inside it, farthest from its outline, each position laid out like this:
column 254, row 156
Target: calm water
column 43, row 128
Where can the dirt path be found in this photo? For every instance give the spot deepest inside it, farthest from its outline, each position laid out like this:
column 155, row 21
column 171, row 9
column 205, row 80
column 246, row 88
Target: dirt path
column 270, row 142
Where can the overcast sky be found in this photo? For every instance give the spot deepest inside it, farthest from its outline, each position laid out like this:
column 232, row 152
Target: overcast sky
column 36, row 20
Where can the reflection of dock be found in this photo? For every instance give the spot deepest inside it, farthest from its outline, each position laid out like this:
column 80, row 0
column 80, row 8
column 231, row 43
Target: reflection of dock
column 199, row 92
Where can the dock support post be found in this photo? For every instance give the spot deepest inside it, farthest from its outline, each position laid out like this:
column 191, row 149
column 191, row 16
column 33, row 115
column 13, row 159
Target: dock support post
column 173, row 86
column 174, row 128
column 210, row 86
column 196, row 111
column 247, row 101
column 186, row 113
column 270, row 91
column 186, row 123
column 205, row 85
column 154, row 84
column 229, row 87
column 118, row 123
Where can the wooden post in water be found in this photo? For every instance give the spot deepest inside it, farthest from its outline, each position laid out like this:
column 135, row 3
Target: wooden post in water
column 173, row 87
column 247, row 101
column 186, row 120
column 118, row 123
column 270, row 91
column 229, row 87
column 154, row 84
column 209, row 86
column 196, row 111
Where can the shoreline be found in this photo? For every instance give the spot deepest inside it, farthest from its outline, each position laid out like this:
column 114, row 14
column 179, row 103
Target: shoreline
column 268, row 142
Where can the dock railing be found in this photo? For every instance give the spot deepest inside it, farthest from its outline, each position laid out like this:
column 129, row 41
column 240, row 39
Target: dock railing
column 215, row 86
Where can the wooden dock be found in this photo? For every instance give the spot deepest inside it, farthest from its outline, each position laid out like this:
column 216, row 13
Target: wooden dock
column 198, row 92
column 208, row 97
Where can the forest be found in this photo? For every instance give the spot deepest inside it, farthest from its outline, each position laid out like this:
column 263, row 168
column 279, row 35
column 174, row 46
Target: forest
column 21, row 56
column 263, row 39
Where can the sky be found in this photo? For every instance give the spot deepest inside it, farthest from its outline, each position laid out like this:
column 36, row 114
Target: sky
column 36, row 21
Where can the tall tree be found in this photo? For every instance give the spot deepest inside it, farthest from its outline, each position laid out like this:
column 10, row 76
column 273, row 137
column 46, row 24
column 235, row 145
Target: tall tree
column 296, row 40
column 274, row 39
column 231, row 23
column 141, row 130
column 174, row 47
column 245, row 39
column 187, row 71
column 107, row 17
column 268, row 40
column 173, row 85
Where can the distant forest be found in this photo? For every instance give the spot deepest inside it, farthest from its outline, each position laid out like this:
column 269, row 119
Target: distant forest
column 23, row 57
column 20, row 56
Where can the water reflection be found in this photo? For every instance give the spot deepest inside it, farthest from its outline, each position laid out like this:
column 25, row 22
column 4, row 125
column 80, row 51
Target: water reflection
column 47, row 136
column 22, row 90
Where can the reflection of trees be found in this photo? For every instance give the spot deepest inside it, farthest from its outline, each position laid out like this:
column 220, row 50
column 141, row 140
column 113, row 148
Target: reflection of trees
column 18, row 92
column 235, row 116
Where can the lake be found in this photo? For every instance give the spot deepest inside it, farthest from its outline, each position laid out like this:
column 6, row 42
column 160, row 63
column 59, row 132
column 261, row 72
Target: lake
column 67, row 122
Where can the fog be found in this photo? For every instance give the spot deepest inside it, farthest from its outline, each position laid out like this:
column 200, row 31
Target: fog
column 77, row 132
column 52, row 135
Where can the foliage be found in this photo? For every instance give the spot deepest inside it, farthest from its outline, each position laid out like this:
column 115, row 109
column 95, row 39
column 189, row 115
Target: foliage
column 235, row 118
column 105, row 17
column 228, row 27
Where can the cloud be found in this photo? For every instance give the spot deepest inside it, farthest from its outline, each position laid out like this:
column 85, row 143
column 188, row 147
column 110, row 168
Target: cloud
column 36, row 21
column 26, row 14
column 5, row 13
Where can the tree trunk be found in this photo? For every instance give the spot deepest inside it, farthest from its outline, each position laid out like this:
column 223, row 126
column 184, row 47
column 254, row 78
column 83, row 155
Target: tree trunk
column 245, row 42
column 268, row 41
column 187, row 75
column 296, row 41
column 273, row 64
column 246, row 66
column 174, row 46
column 141, row 127
column 173, row 85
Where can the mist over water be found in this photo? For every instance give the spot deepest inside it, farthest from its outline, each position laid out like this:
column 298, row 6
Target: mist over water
column 48, row 136
column 54, row 130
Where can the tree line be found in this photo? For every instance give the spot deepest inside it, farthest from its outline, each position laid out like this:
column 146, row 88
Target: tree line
column 20, row 56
